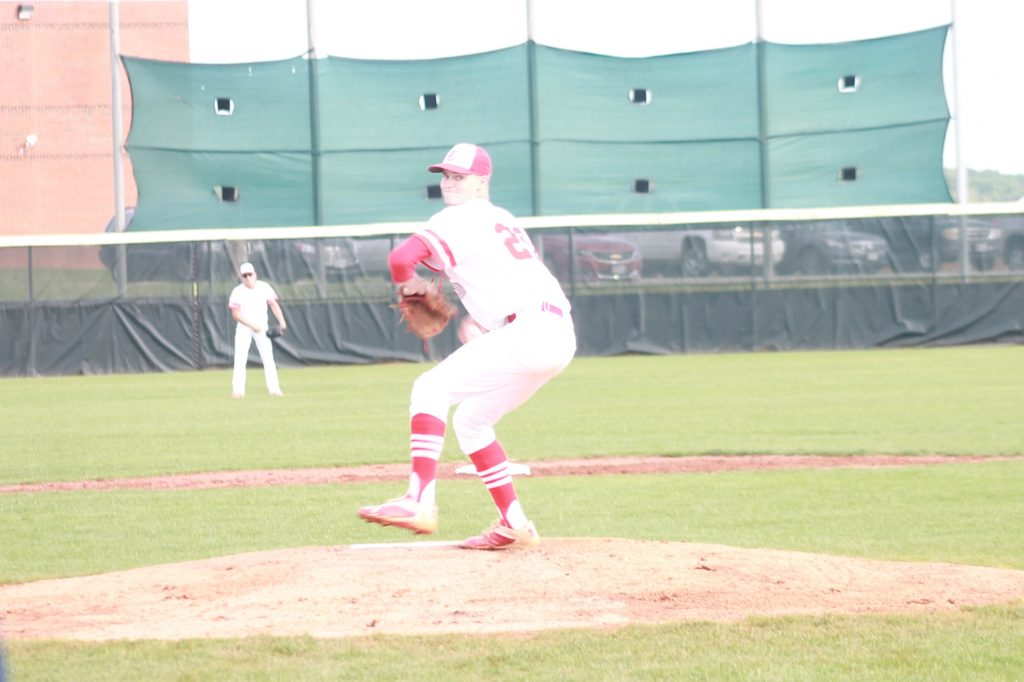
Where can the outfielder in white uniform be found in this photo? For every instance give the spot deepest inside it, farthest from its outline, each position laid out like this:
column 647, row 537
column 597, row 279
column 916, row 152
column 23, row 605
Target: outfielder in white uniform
column 517, row 336
column 248, row 305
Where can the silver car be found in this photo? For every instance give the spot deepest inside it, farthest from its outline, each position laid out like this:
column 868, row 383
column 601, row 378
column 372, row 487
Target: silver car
column 699, row 250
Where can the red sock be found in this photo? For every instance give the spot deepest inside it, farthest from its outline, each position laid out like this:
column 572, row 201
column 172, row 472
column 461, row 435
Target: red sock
column 492, row 467
column 425, row 442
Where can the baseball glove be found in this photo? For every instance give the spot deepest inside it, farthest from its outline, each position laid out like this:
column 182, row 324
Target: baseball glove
column 426, row 315
column 275, row 332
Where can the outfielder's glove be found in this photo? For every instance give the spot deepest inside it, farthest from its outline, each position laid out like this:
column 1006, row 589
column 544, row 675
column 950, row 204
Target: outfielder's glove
column 275, row 332
column 427, row 314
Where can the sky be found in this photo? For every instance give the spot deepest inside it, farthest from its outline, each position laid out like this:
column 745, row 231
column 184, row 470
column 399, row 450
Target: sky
column 983, row 92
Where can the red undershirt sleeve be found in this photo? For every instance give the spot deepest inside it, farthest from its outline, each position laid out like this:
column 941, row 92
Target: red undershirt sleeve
column 403, row 258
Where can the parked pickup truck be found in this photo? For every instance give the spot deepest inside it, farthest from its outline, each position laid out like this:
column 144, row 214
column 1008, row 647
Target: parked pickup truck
column 700, row 250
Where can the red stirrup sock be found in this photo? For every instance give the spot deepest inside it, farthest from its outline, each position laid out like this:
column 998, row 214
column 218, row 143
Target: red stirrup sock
column 492, row 467
column 425, row 442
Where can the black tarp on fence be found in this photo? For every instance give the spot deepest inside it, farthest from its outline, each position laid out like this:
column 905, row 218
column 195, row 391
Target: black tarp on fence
column 112, row 307
column 131, row 336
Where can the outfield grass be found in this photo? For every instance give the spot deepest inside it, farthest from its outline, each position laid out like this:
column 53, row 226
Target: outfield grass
column 950, row 401
column 975, row 644
column 958, row 513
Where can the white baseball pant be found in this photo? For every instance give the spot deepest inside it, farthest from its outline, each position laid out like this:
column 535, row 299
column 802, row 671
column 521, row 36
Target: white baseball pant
column 244, row 336
column 495, row 373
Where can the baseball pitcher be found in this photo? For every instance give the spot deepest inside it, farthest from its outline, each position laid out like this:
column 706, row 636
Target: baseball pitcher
column 518, row 334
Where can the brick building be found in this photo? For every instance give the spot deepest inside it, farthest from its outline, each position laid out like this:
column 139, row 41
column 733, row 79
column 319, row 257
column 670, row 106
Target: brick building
column 56, row 127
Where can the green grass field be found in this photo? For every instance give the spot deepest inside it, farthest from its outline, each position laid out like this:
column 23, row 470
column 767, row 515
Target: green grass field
column 937, row 401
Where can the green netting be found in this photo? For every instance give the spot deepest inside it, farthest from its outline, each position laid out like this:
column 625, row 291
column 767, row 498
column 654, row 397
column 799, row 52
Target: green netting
column 376, row 105
column 177, row 189
column 895, row 80
column 371, row 186
column 895, row 165
column 696, row 96
column 588, row 177
column 175, row 105
column 566, row 135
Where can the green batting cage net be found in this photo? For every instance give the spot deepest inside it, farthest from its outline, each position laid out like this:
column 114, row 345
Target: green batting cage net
column 342, row 141
column 757, row 197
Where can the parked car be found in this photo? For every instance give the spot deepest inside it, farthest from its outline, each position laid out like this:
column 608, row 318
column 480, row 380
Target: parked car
column 595, row 257
column 697, row 251
column 290, row 260
column 827, row 247
column 913, row 242
column 983, row 240
column 279, row 260
column 373, row 254
column 924, row 243
column 1012, row 229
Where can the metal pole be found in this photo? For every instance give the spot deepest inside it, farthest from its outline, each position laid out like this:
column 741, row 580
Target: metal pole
column 531, row 75
column 312, row 58
column 961, row 170
column 30, row 363
column 314, row 108
column 768, row 260
column 762, row 105
column 121, row 270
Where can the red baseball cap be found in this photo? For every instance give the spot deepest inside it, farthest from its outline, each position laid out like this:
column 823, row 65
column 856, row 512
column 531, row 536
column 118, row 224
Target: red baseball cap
column 465, row 158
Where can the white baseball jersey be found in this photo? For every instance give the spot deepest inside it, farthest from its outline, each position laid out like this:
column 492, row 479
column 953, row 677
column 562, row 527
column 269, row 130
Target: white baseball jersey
column 490, row 262
column 252, row 303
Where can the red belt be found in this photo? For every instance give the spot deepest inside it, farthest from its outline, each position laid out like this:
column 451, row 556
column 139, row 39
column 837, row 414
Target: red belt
column 545, row 307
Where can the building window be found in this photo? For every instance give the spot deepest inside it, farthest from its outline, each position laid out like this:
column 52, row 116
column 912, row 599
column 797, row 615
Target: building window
column 848, row 174
column 430, row 101
column 433, row 191
column 643, row 186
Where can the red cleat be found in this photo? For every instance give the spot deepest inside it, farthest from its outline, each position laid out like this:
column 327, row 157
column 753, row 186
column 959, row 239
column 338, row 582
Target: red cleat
column 498, row 536
column 403, row 512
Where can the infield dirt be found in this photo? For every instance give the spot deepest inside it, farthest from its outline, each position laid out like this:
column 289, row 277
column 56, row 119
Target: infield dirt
column 430, row 587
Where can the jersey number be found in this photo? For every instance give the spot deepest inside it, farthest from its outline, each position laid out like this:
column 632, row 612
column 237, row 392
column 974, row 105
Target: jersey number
column 517, row 243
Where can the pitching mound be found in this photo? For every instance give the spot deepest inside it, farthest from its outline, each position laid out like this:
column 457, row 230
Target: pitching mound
column 430, row 587
column 437, row 588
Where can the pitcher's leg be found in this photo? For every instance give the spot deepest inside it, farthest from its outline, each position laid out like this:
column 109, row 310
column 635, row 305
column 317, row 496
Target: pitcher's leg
column 491, row 465
column 426, row 440
column 417, row 509
column 429, row 403
column 475, row 417
column 512, row 530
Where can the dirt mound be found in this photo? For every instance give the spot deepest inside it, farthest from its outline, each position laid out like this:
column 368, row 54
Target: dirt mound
column 431, row 587
column 434, row 587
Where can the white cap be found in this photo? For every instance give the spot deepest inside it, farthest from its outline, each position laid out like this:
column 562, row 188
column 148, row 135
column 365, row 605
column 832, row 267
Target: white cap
column 465, row 159
column 246, row 269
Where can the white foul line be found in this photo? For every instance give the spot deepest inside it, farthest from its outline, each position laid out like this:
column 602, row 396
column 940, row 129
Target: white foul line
column 400, row 545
